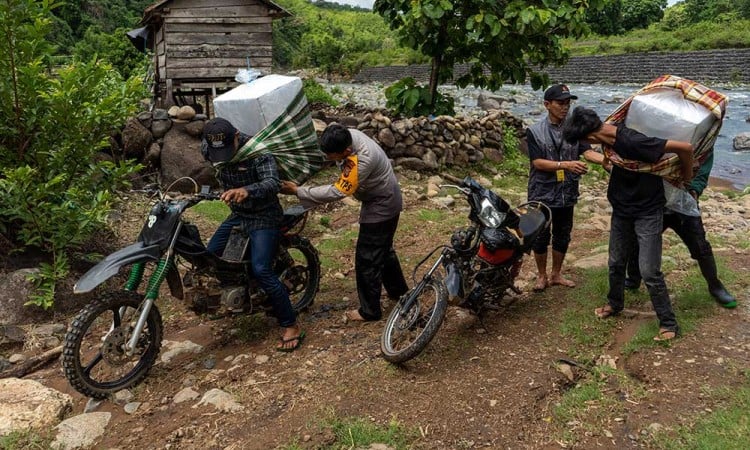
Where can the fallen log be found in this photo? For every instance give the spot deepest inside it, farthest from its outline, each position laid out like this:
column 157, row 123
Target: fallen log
column 32, row 364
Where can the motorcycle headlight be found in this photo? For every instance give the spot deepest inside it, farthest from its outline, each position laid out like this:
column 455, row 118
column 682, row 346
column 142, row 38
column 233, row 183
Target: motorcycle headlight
column 489, row 215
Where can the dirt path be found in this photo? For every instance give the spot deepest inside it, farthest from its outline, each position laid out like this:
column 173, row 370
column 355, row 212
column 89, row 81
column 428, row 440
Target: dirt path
column 480, row 384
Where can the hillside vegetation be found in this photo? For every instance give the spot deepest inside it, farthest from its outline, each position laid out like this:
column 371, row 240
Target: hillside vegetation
column 338, row 39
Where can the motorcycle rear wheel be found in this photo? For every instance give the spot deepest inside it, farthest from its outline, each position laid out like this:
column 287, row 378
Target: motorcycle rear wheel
column 408, row 331
column 93, row 359
column 302, row 276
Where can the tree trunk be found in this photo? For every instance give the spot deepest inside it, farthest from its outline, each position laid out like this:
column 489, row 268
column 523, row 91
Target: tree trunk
column 434, row 74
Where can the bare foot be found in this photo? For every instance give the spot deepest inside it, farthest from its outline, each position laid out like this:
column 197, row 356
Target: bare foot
column 353, row 315
column 541, row 284
column 560, row 281
column 604, row 311
column 665, row 334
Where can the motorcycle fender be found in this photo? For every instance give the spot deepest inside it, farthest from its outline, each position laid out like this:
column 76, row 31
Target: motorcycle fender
column 110, row 265
column 453, row 281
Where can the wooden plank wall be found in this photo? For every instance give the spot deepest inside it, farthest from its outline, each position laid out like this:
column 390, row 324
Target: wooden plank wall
column 212, row 39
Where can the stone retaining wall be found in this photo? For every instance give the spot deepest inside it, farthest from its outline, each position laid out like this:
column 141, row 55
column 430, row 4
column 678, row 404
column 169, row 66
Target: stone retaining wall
column 707, row 66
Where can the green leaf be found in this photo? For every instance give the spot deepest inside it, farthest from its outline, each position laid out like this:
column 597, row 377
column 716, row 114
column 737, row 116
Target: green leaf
column 527, row 15
column 433, row 11
column 544, row 15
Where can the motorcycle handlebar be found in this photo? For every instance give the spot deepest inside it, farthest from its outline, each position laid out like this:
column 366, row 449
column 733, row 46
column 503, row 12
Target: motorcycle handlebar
column 464, row 190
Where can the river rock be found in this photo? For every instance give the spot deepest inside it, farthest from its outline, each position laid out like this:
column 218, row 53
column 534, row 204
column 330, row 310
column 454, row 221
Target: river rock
column 186, row 112
column 386, row 138
column 741, row 142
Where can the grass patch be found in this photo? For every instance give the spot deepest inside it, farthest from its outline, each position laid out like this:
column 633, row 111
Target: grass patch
column 251, row 327
column 26, row 440
column 329, row 249
column 588, row 335
column 590, row 405
column 356, row 432
column 215, row 210
column 584, row 407
column 726, row 428
column 431, row 215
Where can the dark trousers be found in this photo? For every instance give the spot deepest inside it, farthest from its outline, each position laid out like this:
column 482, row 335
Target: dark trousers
column 645, row 234
column 377, row 266
column 558, row 233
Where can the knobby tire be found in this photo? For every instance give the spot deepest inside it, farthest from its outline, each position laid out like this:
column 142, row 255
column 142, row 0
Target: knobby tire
column 433, row 315
column 86, row 326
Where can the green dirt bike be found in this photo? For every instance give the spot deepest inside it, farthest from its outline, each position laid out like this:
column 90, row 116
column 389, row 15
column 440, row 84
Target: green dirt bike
column 114, row 340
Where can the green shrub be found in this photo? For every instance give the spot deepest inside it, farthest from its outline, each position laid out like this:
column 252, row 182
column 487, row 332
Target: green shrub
column 514, row 162
column 406, row 98
column 315, row 93
column 55, row 191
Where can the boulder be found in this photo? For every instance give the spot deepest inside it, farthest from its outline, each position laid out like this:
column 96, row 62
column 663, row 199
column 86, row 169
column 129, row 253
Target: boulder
column 28, row 404
column 487, row 102
column 181, row 157
column 135, row 138
column 160, row 114
column 153, row 155
column 15, row 290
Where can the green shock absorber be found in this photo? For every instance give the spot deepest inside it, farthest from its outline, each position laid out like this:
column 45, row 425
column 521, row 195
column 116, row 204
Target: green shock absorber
column 136, row 275
column 157, row 277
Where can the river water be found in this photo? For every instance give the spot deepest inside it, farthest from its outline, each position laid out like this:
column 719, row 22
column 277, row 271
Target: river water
column 730, row 165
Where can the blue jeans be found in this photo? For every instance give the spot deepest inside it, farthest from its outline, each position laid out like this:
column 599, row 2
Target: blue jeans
column 262, row 247
column 645, row 232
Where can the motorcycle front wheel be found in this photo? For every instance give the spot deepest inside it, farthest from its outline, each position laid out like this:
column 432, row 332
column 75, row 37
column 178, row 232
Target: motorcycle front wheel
column 408, row 330
column 94, row 358
column 301, row 272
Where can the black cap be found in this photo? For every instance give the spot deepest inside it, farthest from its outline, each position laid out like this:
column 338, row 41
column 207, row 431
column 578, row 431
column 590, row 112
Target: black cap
column 219, row 136
column 558, row 92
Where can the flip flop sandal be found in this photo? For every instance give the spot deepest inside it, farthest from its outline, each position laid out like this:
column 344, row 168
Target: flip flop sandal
column 299, row 338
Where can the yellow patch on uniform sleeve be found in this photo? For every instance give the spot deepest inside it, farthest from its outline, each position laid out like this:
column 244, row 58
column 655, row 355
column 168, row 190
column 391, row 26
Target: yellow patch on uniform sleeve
column 348, row 181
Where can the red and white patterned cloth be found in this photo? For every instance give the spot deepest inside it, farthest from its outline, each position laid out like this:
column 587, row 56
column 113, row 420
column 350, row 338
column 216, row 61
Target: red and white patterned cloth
column 669, row 166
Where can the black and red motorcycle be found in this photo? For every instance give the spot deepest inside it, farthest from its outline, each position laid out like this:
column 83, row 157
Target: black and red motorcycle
column 475, row 271
column 114, row 340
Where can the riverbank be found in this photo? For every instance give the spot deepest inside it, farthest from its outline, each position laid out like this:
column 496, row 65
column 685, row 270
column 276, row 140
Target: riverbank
column 527, row 104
